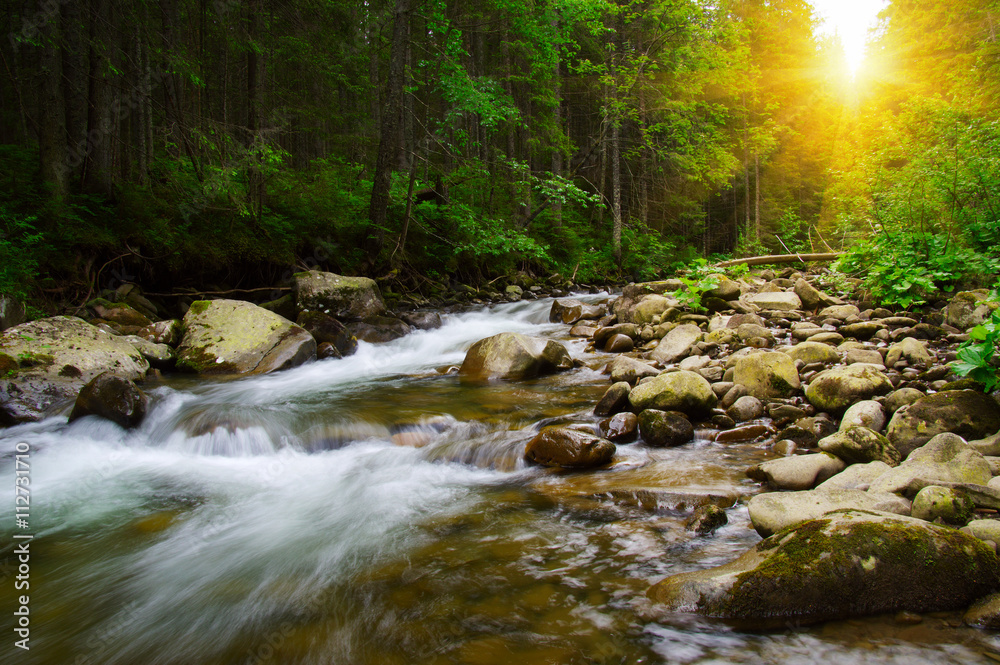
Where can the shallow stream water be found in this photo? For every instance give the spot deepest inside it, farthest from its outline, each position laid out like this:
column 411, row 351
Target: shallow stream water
column 276, row 519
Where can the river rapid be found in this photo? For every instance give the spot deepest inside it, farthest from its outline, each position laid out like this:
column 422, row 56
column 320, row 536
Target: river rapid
column 275, row 519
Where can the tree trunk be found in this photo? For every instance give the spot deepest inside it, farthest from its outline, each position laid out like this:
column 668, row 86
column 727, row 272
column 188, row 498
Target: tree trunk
column 51, row 135
column 97, row 174
column 389, row 139
column 616, row 192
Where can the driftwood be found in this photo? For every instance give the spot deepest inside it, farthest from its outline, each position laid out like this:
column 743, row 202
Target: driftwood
column 780, row 258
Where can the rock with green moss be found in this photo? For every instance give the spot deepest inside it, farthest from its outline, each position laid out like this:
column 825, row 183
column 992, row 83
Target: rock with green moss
column 910, row 349
column 118, row 312
column 677, row 344
column 813, row 352
column 834, row 390
column 665, row 429
column 968, row 413
column 55, row 358
column 159, row 356
column 344, row 298
column 684, row 391
column 945, row 505
column 839, row 566
column 727, row 289
column 650, row 307
column 236, row 337
column 624, row 368
column 513, row 356
column 860, row 445
column 768, row 374
column 167, row 332
column 968, row 309
column 946, row 458
column 327, row 330
column 775, row 511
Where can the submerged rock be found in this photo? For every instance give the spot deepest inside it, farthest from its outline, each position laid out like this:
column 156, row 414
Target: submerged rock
column 112, row 398
column 513, row 356
column 236, row 337
column 839, row 566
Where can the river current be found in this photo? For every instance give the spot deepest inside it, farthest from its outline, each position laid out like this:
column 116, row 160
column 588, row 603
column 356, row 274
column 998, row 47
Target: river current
column 277, row 519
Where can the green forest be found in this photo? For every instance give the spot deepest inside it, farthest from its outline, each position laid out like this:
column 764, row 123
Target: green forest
column 225, row 143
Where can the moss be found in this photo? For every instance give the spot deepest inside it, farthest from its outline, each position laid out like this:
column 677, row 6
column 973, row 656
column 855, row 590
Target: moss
column 199, row 306
column 8, row 366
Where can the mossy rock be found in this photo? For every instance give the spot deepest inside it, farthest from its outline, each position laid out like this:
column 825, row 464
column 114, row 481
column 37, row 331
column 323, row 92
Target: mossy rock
column 768, row 374
column 684, row 391
column 836, row 389
column 842, row 565
column 968, row 413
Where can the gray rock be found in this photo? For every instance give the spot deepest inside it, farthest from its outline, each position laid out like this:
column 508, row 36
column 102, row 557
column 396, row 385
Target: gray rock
column 839, row 566
column 112, row 398
column 327, row 330
column 159, row 356
column 860, row 445
column 570, row 311
column 855, row 477
column 866, row 356
column 968, row 413
column 727, row 289
column 376, row 329
column 834, row 390
column 46, row 362
column 897, row 399
column 650, row 307
column 344, row 298
column 799, row 472
column 861, row 330
column 775, row 511
column 813, row 352
column 167, row 332
column 682, row 391
column 614, row 400
column 781, row 301
column 624, row 368
column 968, row 309
column 985, row 529
column 513, row 356
column 944, row 459
column 840, row 312
column 867, row 413
column 989, row 446
column 745, row 408
column 768, row 374
column 912, row 350
column 236, row 337
column 422, row 320
column 707, row 519
column 811, row 297
column 943, row 505
column 677, row 344
column 569, row 449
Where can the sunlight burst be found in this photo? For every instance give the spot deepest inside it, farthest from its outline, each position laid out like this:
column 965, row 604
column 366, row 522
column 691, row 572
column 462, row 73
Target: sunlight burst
column 850, row 20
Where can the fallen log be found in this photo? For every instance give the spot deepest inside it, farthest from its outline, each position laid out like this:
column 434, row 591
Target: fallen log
column 780, row 258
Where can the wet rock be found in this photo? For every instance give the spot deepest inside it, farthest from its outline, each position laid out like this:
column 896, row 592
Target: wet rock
column 781, row 301
column 867, row 413
column 283, row 306
column 785, row 413
column 327, row 330
column 378, row 329
column 775, row 511
column 801, row 436
column 421, row 320
column 812, row 352
column 834, row 390
column 897, row 399
column 839, row 566
column 513, row 292
column 569, row 449
column 602, row 334
column 618, row 344
column 113, row 398
column 570, row 311
column 768, row 374
column 614, row 400
column 682, row 391
column 344, row 298
column 800, row 472
column 912, row 350
column 236, row 337
column 944, row 459
column 745, row 408
column 624, row 368
column 944, row 505
column 665, row 429
column 707, row 519
column 49, row 360
column 968, row 413
column 745, row 433
column 621, row 427
column 163, row 332
column 984, row 613
column 860, row 445
column 855, row 477
column 513, row 356
column 677, row 344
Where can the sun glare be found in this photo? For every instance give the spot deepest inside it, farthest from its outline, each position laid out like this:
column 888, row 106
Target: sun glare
column 850, row 20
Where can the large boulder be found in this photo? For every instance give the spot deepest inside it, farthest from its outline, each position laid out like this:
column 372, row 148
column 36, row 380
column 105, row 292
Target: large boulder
column 775, row 511
column 327, row 330
column 841, row 565
column 781, row 301
column 345, row 298
column 677, row 344
column 113, row 398
column 684, row 391
column 570, row 311
column 514, row 356
column 378, row 329
column 236, row 337
column 47, row 362
column 118, row 312
column 968, row 413
column 860, row 445
column 944, row 459
column 768, row 374
column 665, row 429
column 834, row 390
column 569, row 449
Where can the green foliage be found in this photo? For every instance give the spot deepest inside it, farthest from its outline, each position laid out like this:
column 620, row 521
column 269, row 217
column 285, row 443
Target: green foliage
column 977, row 357
column 907, row 268
column 19, row 244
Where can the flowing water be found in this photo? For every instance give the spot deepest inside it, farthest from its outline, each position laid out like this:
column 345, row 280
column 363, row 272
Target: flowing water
column 276, row 519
